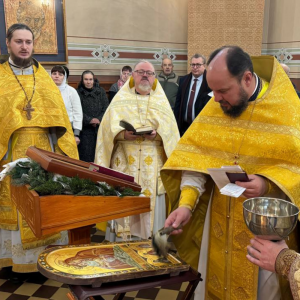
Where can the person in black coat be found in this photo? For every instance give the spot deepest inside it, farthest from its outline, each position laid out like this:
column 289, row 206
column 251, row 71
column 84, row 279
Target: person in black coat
column 94, row 103
column 190, row 101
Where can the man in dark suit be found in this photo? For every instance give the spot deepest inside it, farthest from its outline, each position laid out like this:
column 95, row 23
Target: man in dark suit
column 192, row 94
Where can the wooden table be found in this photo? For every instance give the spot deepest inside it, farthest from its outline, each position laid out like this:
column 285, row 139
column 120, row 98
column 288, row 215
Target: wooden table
column 80, row 292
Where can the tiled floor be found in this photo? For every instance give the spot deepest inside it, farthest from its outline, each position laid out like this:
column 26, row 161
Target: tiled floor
column 38, row 287
column 35, row 287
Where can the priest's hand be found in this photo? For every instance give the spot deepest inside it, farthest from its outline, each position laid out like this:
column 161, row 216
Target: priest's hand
column 263, row 253
column 256, row 187
column 150, row 136
column 128, row 135
column 181, row 215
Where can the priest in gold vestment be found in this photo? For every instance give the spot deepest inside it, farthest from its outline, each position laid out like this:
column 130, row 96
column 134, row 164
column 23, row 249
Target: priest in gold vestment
column 32, row 113
column 141, row 102
column 253, row 121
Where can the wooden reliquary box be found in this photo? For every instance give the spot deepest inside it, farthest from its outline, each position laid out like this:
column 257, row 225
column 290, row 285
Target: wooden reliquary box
column 51, row 214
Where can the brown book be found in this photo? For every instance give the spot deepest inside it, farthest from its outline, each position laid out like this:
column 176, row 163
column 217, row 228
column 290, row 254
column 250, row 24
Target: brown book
column 137, row 131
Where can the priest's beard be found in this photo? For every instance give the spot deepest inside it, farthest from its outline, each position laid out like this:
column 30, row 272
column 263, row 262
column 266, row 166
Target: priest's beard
column 21, row 62
column 145, row 86
column 236, row 110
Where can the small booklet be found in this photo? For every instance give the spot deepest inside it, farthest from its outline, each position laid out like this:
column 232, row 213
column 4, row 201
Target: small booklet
column 226, row 176
column 237, row 176
column 110, row 172
column 137, row 131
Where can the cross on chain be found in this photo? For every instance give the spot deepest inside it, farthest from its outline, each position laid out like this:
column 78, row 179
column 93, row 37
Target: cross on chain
column 28, row 110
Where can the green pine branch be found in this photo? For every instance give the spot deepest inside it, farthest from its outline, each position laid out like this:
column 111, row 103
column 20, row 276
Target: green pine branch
column 46, row 183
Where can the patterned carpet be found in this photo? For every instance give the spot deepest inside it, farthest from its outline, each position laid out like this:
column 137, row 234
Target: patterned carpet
column 37, row 287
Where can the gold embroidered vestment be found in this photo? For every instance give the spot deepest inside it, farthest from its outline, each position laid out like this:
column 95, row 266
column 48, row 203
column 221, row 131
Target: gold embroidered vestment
column 141, row 158
column 271, row 148
column 16, row 129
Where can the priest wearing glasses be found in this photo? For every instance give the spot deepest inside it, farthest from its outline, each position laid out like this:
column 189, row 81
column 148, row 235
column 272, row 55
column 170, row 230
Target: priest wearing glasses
column 141, row 102
column 32, row 113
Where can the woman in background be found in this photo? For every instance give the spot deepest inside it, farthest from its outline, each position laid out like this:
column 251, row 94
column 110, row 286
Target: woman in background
column 59, row 75
column 94, row 103
column 125, row 74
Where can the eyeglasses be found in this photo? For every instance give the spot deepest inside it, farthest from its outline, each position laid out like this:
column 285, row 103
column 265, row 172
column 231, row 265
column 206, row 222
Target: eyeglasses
column 126, row 74
column 196, row 65
column 142, row 72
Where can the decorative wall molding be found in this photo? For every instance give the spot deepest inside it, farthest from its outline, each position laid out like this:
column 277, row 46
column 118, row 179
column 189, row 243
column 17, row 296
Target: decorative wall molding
column 120, row 54
column 283, row 56
column 164, row 53
column 105, row 54
column 289, row 56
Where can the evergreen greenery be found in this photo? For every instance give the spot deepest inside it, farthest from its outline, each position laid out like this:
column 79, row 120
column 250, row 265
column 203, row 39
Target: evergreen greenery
column 46, row 183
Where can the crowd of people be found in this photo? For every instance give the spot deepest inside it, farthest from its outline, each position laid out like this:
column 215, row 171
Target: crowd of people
column 229, row 110
column 86, row 105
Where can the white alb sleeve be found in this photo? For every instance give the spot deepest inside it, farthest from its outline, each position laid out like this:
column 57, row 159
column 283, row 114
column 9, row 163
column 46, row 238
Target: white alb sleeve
column 195, row 179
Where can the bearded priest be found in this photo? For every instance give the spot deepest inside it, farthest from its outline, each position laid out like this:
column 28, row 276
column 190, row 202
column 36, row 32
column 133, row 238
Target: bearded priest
column 32, row 113
column 142, row 102
column 252, row 121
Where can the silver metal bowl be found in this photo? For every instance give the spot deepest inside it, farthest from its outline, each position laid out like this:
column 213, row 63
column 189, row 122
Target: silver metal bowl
column 270, row 218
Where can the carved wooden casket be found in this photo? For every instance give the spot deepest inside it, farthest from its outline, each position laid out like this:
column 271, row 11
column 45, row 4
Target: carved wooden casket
column 51, row 214
column 100, row 263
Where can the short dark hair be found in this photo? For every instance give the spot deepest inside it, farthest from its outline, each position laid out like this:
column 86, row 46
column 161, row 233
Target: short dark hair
column 127, row 68
column 197, row 55
column 237, row 61
column 17, row 26
column 59, row 69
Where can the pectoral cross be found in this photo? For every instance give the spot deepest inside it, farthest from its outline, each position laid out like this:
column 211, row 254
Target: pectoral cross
column 28, row 108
